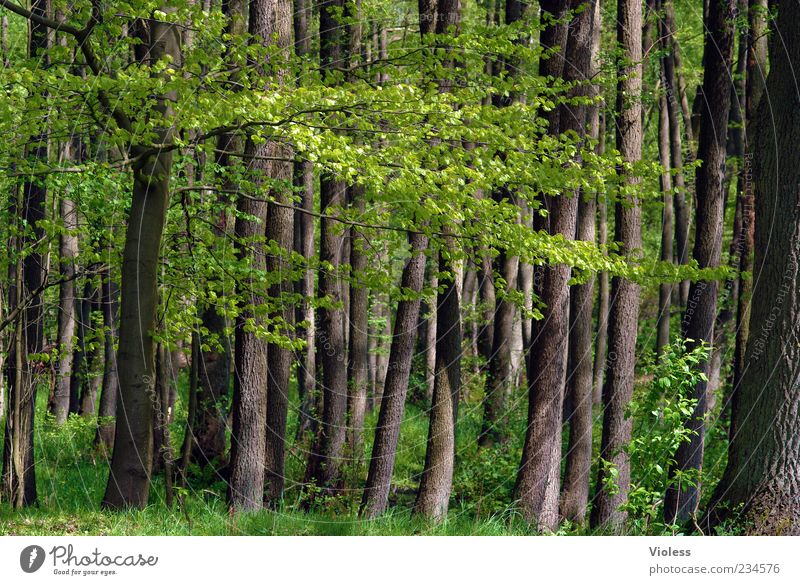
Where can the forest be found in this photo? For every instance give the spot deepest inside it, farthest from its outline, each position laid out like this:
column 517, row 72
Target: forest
column 379, row 267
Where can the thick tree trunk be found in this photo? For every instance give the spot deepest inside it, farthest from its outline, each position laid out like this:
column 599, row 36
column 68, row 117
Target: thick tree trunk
column 437, row 478
column 275, row 28
column 129, row 479
column 681, row 500
column 376, row 493
column 262, row 369
column 624, row 310
column 760, row 489
column 538, row 480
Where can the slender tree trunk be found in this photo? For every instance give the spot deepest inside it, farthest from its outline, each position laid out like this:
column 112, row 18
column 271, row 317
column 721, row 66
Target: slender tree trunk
column 433, row 497
column 601, row 343
column 681, row 500
column 665, row 288
column 104, row 437
column 357, row 354
column 675, row 98
column 129, row 479
column 624, row 310
column 376, row 493
column 325, row 459
column 303, row 179
column 30, row 333
column 760, row 489
column 755, row 81
column 498, row 377
column 68, row 250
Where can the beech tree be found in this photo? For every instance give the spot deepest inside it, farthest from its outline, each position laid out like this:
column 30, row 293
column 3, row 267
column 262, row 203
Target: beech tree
column 759, row 486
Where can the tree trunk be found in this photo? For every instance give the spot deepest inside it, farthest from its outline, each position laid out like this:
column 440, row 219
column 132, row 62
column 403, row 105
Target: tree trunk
column 303, row 179
column 624, row 310
column 104, row 437
column 68, row 250
column 754, row 88
column 357, row 354
column 665, row 288
column 498, row 376
column 580, row 375
column 376, row 493
column 326, row 456
column 29, row 337
column 437, row 478
column 254, row 424
column 129, row 479
column 538, row 479
column 760, row 489
column 275, row 28
column 681, row 500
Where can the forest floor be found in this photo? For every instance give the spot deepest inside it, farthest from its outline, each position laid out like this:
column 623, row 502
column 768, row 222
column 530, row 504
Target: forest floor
column 72, row 474
column 71, row 478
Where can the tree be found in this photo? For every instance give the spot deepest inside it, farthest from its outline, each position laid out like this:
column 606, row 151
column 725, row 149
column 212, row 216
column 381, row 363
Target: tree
column 19, row 475
column 433, row 497
column 129, row 479
column 276, row 25
column 624, row 309
column 759, row 489
column 682, row 498
column 262, row 368
column 538, row 480
column 326, row 455
column 582, row 56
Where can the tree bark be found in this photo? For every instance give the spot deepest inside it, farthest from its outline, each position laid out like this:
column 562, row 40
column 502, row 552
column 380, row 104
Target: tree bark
column 580, row 374
column 433, row 497
column 379, row 479
column 68, row 250
column 681, row 500
column 624, row 310
column 129, row 479
column 275, row 28
column 760, row 489
column 325, row 459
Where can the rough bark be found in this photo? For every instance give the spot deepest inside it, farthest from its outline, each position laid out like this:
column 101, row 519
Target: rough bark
column 624, row 309
column 275, row 28
column 760, row 489
column 433, row 497
column 379, row 479
column 303, row 179
column 325, row 459
column 19, row 471
column 580, row 375
column 681, row 500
